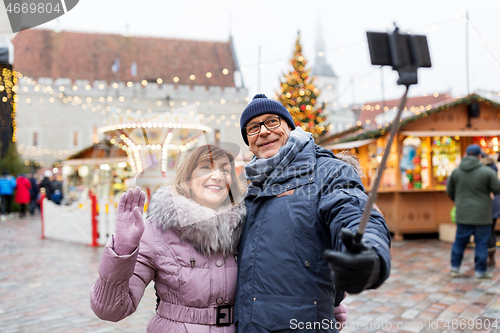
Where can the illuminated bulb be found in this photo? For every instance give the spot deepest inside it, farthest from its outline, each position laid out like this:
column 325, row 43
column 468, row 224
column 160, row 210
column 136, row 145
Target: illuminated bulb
column 225, row 71
column 159, row 81
column 176, row 79
column 192, row 77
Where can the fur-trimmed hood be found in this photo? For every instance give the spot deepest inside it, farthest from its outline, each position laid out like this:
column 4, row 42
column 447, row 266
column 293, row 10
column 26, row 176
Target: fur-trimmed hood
column 351, row 160
column 208, row 230
column 488, row 159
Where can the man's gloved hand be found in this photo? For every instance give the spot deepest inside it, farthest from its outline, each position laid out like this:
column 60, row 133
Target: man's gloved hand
column 355, row 270
column 129, row 221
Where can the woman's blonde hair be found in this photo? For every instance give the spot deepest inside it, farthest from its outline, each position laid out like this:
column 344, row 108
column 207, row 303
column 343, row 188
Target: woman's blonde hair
column 203, row 154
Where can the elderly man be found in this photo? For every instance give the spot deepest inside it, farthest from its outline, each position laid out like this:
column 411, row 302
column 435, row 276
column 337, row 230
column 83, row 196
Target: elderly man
column 469, row 186
column 301, row 201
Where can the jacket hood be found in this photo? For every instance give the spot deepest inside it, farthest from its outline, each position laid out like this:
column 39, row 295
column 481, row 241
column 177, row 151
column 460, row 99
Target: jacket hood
column 208, row 230
column 470, row 163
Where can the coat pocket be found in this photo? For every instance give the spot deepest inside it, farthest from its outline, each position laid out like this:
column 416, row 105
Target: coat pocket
column 306, row 233
column 283, row 313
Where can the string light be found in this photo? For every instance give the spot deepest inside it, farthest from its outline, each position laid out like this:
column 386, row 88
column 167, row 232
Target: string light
column 489, row 47
column 86, row 102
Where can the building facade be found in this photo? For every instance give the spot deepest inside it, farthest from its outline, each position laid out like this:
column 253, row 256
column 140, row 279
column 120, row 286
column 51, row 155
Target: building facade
column 70, row 83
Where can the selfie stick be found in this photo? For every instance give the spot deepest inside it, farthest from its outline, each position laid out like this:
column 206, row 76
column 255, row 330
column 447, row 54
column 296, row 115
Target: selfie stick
column 405, row 53
column 374, row 193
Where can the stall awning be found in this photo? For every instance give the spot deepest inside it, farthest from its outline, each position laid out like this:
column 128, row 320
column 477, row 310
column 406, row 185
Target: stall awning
column 349, row 145
column 452, row 133
column 94, row 161
column 6, row 51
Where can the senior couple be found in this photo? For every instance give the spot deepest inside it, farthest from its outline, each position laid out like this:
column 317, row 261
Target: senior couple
column 277, row 261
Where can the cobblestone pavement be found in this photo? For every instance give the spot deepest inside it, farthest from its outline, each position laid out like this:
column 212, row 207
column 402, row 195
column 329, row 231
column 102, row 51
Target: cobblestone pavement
column 45, row 286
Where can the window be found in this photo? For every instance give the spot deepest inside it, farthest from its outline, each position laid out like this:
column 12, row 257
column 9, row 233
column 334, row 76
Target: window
column 217, row 136
column 75, row 138
column 35, row 139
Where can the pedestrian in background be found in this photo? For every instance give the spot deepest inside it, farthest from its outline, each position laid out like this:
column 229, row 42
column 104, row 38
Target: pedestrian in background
column 46, row 184
column 7, row 186
column 23, row 196
column 33, row 193
column 469, row 186
column 489, row 160
column 57, row 188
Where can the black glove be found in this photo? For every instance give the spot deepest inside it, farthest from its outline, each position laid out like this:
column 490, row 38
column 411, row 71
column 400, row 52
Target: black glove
column 355, row 270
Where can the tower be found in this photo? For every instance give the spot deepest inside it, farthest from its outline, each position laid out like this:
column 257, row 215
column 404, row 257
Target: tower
column 326, row 80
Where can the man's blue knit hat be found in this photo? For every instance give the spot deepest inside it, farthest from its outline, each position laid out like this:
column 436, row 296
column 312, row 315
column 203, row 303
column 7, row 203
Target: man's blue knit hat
column 262, row 105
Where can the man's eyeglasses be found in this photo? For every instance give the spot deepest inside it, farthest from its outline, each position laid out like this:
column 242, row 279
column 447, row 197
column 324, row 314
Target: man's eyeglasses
column 270, row 123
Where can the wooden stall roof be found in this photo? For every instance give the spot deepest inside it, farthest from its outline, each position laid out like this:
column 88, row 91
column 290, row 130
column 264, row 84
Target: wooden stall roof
column 416, row 122
column 372, row 109
column 102, row 149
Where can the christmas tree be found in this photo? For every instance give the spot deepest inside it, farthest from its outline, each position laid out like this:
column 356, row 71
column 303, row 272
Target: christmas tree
column 299, row 95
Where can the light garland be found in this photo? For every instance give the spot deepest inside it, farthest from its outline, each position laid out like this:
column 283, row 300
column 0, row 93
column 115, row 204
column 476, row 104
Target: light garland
column 39, row 151
column 8, row 81
column 489, row 53
column 154, row 125
column 79, row 101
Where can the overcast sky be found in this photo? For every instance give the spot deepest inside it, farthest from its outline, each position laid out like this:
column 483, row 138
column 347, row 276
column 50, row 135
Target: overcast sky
column 273, row 25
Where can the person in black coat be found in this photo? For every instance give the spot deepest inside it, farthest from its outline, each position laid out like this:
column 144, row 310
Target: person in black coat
column 34, row 190
column 495, row 213
column 47, row 184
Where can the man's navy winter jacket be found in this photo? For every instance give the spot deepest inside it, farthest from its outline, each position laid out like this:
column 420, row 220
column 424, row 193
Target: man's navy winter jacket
column 283, row 281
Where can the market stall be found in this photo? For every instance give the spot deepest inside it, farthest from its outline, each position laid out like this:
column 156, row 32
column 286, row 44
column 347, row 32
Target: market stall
column 429, row 146
column 101, row 167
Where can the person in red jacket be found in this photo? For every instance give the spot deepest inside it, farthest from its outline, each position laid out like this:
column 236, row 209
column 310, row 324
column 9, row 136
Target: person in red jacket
column 22, row 193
